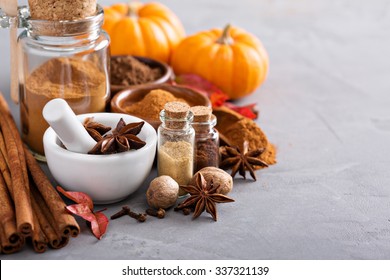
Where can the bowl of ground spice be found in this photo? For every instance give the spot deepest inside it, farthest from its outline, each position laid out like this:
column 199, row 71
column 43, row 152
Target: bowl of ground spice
column 147, row 101
column 127, row 70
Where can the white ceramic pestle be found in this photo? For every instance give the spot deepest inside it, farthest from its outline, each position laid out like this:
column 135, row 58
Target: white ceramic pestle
column 67, row 127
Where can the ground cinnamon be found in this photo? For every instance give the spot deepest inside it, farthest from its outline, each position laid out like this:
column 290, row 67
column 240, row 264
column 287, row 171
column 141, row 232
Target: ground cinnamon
column 128, row 70
column 151, row 105
column 238, row 129
column 81, row 83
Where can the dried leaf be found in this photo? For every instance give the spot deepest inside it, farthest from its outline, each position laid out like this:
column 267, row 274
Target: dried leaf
column 198, row 83
column 248, row 111
column 216, row 95
column 78, row 197
column 99, row 226
column 218, row 99
column 84, row 209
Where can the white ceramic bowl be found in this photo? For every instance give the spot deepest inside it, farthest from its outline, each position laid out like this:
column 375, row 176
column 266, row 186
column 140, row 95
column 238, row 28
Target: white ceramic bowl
column 105, row 178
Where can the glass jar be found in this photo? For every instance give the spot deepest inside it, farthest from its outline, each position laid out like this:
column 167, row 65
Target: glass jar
column 175, row 148
column 206, row 143
column 61, row 59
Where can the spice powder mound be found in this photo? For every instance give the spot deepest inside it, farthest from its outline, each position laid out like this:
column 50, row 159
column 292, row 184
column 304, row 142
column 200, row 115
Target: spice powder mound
column 128, row 70
column 151, row 105
column 238, row 129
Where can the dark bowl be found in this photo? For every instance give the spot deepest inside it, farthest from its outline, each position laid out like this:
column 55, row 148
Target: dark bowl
column 166, row 70
column 135, row 94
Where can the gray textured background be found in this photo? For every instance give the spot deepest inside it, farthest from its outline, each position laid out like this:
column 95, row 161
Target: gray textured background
column 325, row 105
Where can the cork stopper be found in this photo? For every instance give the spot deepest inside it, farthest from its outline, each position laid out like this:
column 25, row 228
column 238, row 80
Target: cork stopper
column 201, row 113
column 176, row 110
column 56, row 10
column 176, row 113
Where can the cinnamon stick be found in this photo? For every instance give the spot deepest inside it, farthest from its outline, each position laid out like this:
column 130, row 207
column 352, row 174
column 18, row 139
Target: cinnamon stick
column 65, row 222
column 18, row 170
column 5, row 172
column 38, row 238
column 3, row 149
column 46, row 220
column 11, row 239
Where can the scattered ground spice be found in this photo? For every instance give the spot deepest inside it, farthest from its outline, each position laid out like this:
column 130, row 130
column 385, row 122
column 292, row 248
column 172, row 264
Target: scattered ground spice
column 238, row 129
column 128, row 70
column 151, row 105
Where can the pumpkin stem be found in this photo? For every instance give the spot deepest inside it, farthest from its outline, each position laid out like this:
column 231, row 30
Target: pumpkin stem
column 225, row 38
column 132, row 10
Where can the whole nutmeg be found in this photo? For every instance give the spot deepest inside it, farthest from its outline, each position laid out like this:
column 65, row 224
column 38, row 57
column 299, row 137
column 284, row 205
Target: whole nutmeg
column 220, row 177
column 162, row 192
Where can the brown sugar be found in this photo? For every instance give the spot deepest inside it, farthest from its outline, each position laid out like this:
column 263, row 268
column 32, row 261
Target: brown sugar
column 81, row 83
column 62, row 9
column 150, row 106
column 127, row 70
column 237, row 129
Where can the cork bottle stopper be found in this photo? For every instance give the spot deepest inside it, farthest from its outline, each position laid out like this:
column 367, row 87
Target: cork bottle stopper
column 201, row 113
column 176, row 110
column 176, row 113
column 62, row 9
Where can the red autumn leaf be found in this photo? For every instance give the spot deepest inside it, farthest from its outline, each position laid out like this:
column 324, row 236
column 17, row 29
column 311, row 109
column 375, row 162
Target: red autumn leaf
column 100, row 225
column 218, row 99
column 216, row 95
column 248, row 111
column 78, row 197
column 199, row 83
column 84, row 209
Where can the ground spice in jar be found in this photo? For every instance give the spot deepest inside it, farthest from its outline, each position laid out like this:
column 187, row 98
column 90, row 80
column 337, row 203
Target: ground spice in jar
column 128, row 70
column 175, row 153
column 62, row 9
column 206, row 138
column 176, row 160
column 81, row 83
column 238, row 129
column 151, row 105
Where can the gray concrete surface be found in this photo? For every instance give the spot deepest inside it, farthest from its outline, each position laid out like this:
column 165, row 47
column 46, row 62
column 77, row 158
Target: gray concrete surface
column 325, row 105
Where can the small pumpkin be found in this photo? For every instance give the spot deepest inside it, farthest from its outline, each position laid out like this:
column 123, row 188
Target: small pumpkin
column 149, row 29
column 232, row 59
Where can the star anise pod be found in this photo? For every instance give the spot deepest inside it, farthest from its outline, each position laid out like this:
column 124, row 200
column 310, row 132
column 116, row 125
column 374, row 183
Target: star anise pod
column 122, row 138
column 95, row 129
column 203, row 197
column 233, row 158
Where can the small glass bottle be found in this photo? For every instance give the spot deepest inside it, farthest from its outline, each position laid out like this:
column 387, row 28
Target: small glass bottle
column 206, row 138
column 66, row 59
column 175, row 143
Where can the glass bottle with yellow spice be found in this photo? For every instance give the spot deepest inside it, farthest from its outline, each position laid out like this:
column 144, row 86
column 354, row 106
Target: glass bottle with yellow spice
column 175, row 156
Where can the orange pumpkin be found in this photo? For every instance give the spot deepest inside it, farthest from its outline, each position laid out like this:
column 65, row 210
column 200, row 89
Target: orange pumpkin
column 232, row 59
column 149, row 29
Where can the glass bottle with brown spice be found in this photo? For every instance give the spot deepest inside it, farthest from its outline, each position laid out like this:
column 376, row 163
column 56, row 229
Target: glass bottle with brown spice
column 206, row 138
column 66, row 59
